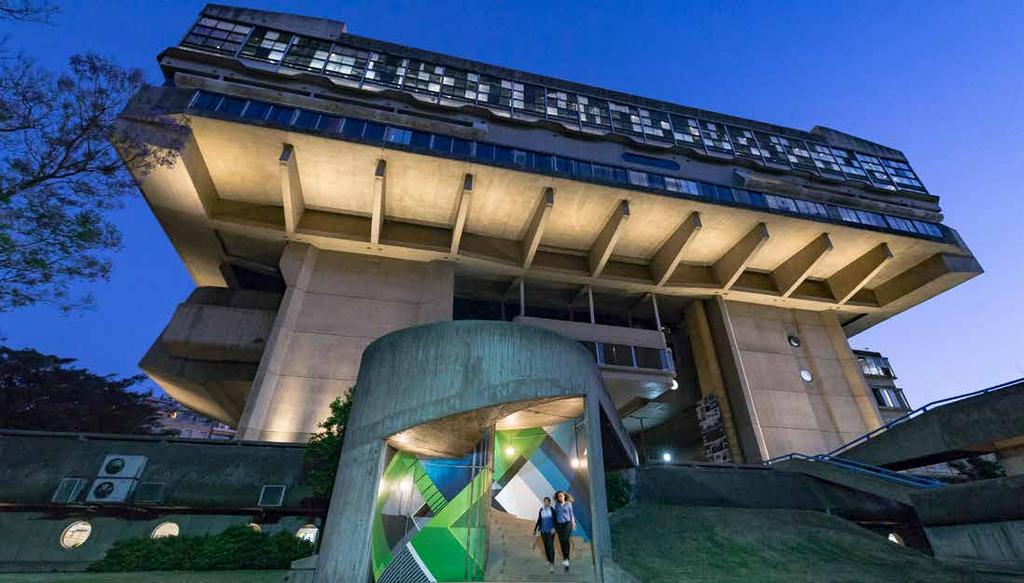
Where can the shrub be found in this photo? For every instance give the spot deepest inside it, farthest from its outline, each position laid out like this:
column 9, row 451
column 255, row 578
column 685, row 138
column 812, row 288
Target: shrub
column 238, row 547
column 618, row 491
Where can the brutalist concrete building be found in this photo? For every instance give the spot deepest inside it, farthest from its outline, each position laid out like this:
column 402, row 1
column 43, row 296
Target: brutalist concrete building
column 599, row 279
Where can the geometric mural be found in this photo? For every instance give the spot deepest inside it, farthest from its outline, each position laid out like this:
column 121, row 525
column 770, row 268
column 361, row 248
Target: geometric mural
column 430, row 520
column 532, row 463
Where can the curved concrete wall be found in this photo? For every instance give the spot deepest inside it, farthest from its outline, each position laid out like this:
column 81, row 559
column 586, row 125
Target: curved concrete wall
column 421, row 374
column 424, row 373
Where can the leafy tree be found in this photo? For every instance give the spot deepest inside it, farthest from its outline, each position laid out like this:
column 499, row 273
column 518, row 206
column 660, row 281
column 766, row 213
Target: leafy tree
column 26, row 10
column 45, row 392
column 977, row 467
column 60, row 172
column 324, row 449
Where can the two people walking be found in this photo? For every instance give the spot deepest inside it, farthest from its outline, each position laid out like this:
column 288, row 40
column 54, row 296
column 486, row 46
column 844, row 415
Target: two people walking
column 556, row 520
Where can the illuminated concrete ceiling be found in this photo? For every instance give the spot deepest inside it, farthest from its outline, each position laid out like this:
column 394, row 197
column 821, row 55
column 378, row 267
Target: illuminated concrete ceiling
column 275, row 185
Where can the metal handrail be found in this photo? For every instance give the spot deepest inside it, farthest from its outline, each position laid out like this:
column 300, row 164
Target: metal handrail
column 862, row 468
column 922, row 409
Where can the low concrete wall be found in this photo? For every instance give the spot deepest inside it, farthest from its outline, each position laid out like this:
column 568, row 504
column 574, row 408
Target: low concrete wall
column 993, row 542
column 756, row 487
column 31, row 540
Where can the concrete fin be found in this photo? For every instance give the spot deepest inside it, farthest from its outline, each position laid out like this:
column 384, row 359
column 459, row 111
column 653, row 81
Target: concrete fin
column 534, row 232
column 730, row 266
column 667, row 258
column 462, row 213
column 849, row 280
column 788, row 276
column 603, row 246
column 378, row 203
column 291, row 189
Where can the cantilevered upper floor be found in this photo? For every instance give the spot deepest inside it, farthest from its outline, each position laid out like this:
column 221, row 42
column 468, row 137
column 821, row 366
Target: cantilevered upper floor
column 301, row 131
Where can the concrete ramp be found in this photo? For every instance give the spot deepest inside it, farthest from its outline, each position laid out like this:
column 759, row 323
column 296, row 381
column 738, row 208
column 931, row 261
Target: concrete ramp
column 985, row 422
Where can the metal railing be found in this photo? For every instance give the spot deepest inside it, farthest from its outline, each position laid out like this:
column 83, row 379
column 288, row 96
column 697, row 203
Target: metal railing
column 916, row 412
column 900, row 478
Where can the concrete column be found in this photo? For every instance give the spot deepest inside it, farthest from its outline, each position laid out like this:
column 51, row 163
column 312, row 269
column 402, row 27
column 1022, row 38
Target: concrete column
column 350, row 517
column 709, row 375
column 335, row 305
column 807, row 398
column 601, row 537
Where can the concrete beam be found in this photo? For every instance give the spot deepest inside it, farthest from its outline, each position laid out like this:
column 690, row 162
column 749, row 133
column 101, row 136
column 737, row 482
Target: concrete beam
column 603, row 246
column 378, row 204
column 788, row 276
column 730, row 266
column 534, row 232
column 667, row 258
column 940, row 271
column 849, row 280
column 462, row 213
column 291, row 189
column 195, row 165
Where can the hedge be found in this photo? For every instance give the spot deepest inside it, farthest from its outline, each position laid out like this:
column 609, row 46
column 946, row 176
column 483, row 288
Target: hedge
column 238, row 547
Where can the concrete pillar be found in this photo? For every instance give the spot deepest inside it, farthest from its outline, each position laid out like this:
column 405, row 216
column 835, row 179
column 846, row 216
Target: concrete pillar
column 601, row 535
column 709, row 375
column 335, row 305
column 806, row 398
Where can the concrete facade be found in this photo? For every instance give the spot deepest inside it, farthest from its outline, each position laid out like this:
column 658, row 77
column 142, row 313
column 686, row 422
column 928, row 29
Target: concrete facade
column 334, row 306
column 784, row 398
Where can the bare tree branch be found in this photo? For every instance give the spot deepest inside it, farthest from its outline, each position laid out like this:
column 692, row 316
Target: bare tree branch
column 38, row 11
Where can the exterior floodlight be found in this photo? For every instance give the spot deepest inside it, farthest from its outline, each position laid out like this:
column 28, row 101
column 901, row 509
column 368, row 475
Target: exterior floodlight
column 510, row 451
column 405, row 485
column 666, row 457
column 675, row 384
column 575, row 463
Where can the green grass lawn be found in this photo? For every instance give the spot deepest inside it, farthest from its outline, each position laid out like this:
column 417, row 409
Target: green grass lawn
column 150, row 577
column 670, row 544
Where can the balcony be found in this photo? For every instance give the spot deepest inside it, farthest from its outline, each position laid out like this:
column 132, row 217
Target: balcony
column 634, row 362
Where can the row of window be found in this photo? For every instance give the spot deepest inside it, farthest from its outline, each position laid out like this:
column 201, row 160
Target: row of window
column 890, row 398
column 78, row 532
column 876, row 366
column 398, row 137
column 508, row 97
column 631, row 356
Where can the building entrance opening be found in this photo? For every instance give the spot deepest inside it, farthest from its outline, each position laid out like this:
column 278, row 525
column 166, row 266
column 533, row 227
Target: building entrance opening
column 477, row 516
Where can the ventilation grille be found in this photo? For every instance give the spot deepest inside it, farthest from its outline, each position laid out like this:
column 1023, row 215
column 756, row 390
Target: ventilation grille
column 271, row 495
column 149, row 493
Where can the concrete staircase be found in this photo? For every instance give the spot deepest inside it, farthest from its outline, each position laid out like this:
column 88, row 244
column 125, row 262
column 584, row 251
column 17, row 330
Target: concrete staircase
column 513, row 557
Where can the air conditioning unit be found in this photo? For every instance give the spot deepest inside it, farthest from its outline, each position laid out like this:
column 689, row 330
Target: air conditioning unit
column 110, row 490
column 68, row 490
column 122, row 466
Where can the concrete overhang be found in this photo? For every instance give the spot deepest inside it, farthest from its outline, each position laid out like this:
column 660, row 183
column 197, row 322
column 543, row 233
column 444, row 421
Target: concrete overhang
column 273, row 185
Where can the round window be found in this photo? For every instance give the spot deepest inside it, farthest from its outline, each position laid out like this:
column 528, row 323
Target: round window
column 308, row 533
column 165, row 529
column 794, row 341
column 75, row 534
column 806, row 375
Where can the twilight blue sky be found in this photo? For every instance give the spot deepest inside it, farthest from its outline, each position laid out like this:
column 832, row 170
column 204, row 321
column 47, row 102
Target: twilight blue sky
column 942, row 81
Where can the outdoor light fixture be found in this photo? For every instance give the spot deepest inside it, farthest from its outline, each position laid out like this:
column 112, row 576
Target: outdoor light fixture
column 675, row 384
column 510, row 451
column 666, row 457
column 405, row 485
column 575, row 463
